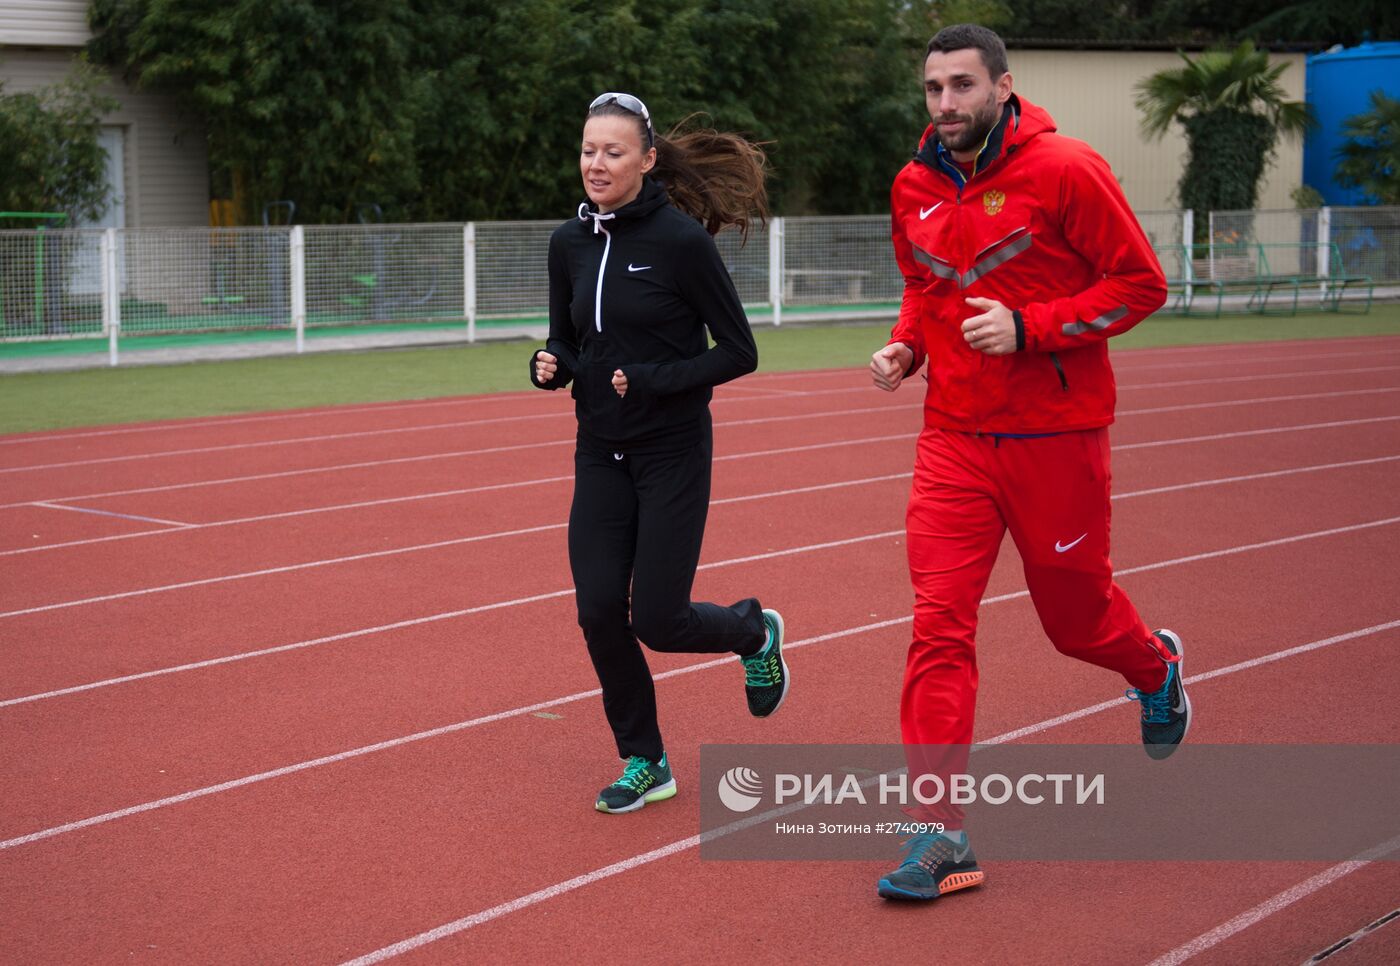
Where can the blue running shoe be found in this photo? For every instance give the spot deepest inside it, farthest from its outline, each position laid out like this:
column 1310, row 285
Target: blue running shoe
column 1166, row 713
column 766, row 676
column 933, row 866
column 642, row 781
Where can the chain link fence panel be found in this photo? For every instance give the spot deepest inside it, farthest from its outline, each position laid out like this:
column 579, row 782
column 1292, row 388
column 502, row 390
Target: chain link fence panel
column 839, row 261
column 173, row 280
column 50, row 283
column 1164, row 227
column 203, row 279
column 379, row 273
column 1369, row 242
column 512, row 268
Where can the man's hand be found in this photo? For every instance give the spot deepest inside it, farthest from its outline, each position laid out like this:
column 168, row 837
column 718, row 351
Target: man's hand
column 992, row 332
column 888, row 366
column 546, row 365
column 619, row 381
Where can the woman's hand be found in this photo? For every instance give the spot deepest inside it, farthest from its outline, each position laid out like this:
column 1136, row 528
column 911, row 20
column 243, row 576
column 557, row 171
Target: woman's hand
column 619, row 381
column 546, row 366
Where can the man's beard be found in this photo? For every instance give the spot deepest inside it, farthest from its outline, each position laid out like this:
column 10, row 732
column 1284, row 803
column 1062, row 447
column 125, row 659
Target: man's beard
column 975, row 129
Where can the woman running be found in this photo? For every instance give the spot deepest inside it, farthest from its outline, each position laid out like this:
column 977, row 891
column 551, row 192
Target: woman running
column 635, row 281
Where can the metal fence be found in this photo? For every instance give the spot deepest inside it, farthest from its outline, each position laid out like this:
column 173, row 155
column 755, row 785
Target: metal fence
column 1367, row 239
column 88, row 282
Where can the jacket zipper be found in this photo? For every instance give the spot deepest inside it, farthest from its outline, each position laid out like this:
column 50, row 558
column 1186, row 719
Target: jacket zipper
column 602, row 267
column 1060, row 371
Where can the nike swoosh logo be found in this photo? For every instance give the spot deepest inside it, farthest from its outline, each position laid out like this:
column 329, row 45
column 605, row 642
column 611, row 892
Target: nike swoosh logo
column 960, row 854
column 637, row 268
column 925, row 212
column 1061, row 548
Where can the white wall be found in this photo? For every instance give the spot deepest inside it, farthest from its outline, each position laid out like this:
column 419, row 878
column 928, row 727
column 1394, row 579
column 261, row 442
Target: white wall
column 166, row 161
column 43, row 23
column 1090, row 95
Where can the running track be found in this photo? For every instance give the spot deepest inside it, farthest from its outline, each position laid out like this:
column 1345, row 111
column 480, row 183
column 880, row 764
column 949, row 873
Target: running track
column 306, row 686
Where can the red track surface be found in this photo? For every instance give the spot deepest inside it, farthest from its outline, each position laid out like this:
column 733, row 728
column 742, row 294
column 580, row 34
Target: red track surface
column 281, row 707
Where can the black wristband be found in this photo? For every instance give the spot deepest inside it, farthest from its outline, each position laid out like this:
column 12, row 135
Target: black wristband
column 1020, row 330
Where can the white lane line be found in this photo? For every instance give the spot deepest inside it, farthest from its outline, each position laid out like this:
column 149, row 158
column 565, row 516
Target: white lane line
column 1265, row 475
column 278, row 417
column 1126, row 360
column 1123, row 363
column 555, row 702
column 360, row 434
column 109, row 513
column 726, row 398
column 690, row 669
column 500, row 534
column 1184, row 440
column 1216, row 380
column 1240, row 434
column 771, row 494
column 1208, row 675
column 569, row 441
column 726, row 394
column 1272, row 905
column 256, row 477
column 417, row 621
column 1259, row 400
column 397, row 742
column 455, row 613
column 577, row 882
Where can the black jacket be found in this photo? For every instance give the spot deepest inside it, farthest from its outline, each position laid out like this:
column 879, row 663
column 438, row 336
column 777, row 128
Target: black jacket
column 663, row 284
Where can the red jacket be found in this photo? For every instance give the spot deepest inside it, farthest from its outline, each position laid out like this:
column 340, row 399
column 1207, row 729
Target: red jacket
column 1042, row 227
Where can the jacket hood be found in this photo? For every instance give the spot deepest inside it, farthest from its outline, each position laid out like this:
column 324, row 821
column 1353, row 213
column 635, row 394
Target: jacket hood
column 1020, row 121
column 651, row 197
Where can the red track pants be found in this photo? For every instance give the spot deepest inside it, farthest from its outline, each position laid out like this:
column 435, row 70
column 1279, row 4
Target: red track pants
column 1052, row 493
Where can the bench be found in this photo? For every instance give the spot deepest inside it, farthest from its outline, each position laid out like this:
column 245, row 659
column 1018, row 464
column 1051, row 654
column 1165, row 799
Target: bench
column 1320, row 264
column 825, row 280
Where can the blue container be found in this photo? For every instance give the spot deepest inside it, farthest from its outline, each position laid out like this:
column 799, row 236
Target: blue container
column 1339, row 84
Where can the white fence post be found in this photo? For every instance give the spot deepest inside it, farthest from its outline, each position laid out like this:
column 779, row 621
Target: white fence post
column 775, row 268
column 297, row 250
column 111, row 296
column 1188, row 238
column 469, row 278
column 1324, row 250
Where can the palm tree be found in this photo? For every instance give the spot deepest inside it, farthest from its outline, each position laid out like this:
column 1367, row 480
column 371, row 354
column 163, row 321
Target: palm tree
column 1233, row 110
column 1371, row 153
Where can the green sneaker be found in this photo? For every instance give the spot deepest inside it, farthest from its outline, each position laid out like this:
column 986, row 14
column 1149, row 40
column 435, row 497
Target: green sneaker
column 642, row 781
column 766, row 677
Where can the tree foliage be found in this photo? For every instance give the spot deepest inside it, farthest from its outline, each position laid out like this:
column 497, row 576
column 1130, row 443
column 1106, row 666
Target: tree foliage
column 50, row 158
column 458, row 109
column 471, row 109
column 1233, row 111
column 1370, row 156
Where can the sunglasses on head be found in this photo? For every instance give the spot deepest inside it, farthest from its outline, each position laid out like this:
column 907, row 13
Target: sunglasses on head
column 630, row 104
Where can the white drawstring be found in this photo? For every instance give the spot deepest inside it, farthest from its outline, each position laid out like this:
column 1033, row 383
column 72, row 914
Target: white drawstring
column 584, row 214
column 598, row 218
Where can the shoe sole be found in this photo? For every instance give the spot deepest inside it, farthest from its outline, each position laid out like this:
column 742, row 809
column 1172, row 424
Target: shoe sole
column 658, row 794
column 953, row 883
column 787, row 675
column 1181, row 683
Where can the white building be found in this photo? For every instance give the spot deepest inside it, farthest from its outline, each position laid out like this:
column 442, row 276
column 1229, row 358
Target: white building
column 157, row 159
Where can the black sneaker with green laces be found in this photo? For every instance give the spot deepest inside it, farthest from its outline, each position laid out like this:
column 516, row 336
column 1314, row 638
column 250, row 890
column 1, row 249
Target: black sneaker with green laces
column 1166, row 712
column 766, row 676
column 642, row 781
column 933, row 866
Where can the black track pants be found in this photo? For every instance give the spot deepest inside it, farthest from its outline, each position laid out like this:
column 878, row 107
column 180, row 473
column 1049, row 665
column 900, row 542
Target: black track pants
column 638, row 520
